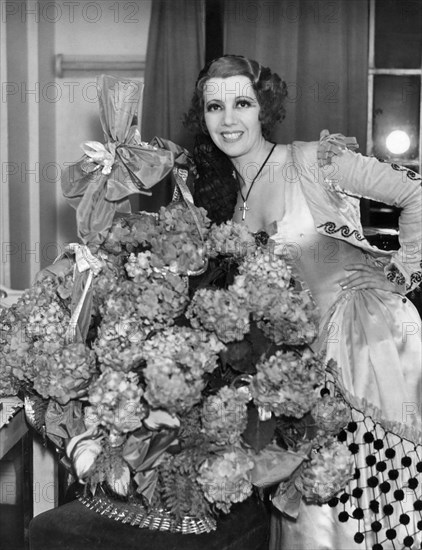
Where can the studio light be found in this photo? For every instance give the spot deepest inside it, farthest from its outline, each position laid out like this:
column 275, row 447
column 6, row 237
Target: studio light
column 398, row 142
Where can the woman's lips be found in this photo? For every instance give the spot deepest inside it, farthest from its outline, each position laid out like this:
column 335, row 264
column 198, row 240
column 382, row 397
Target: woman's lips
column 231, row 136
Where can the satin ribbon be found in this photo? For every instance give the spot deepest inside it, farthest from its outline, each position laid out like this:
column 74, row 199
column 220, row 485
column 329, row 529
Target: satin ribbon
column 63, row 421
column 287, row 499
column 274, row 465
column 98, row 194
column 143, row 451
column 99, row 185
column 84, row 261
column 181, row 176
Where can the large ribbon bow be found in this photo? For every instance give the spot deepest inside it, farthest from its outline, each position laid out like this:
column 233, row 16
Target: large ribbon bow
column 99, row 184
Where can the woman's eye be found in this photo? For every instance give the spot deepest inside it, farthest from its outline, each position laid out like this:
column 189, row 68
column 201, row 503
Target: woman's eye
column 213, row 107
column 243, row 103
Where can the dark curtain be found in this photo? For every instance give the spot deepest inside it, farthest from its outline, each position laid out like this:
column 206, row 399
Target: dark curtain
column 175, row 55
column 320, row 48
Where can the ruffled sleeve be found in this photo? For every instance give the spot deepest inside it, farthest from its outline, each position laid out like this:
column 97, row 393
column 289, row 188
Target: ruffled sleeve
column 331, row 145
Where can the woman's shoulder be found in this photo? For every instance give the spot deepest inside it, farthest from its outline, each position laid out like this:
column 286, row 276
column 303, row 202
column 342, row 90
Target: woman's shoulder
column 280, row 154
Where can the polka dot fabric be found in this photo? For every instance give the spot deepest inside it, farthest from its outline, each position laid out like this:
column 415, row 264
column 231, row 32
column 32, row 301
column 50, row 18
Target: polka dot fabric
column 384, row 500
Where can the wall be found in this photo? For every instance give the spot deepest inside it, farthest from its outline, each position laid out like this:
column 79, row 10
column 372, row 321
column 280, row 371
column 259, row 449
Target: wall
column 48, row 117
column 121, row 29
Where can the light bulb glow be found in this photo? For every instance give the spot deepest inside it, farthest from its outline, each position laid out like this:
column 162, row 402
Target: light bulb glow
column 398, row 142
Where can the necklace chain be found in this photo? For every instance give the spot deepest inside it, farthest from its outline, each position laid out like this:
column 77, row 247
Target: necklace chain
column 245, row 207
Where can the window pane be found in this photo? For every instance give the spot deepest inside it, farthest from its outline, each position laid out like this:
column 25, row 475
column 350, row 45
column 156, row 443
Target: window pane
column 396, row 108
column 398, row 35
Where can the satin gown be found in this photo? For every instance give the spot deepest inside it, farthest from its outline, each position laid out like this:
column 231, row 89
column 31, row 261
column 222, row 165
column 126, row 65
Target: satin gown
column 375, row 337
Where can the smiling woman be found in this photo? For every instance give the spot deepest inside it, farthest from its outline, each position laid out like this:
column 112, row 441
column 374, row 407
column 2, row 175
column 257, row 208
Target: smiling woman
column 232, row 115
column 237, row 103
column 304, row 199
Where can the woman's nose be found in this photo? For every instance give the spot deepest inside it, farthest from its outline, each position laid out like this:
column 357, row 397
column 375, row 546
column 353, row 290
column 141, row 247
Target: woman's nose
column 229, row 117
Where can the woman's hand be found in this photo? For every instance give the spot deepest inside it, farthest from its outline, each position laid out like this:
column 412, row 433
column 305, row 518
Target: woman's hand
column 368, row 276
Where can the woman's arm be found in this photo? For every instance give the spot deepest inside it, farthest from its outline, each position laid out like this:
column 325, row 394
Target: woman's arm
column 354, row 174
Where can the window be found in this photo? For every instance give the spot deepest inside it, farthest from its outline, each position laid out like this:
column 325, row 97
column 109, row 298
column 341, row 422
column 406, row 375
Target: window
column 394, row 92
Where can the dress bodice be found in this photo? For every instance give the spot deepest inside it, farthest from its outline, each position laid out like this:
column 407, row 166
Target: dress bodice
column 318, row 260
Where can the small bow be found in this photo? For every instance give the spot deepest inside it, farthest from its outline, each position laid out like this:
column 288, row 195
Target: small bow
column 84, row 258
column 99, row 154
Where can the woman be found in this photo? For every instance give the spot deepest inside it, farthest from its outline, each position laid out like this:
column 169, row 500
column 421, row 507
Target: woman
column 306, row 195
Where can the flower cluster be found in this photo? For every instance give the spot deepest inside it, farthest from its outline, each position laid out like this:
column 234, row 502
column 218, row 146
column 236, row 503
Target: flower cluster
column 286, row 383
column 224, row 416
column 175, row 237
column 221, row 312
column 66, row 374
column 189, row 340
column 286, row 315
column 116, row 401
column 331, row 414
column 230, row 239
column 8, row 383
column 34, row 329
column 176, row 361
column 225, row 478
column 328, row 471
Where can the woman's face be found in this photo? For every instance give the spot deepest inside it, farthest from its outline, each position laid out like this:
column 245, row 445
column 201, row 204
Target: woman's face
column 231, row 112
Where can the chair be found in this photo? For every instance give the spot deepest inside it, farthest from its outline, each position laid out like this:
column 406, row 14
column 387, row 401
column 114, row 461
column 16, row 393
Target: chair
column 73, row 526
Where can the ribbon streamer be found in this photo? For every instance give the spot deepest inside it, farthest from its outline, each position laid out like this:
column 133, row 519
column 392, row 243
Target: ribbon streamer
column 84, row 261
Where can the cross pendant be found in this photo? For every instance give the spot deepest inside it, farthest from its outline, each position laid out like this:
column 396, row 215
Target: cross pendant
column 244, row 208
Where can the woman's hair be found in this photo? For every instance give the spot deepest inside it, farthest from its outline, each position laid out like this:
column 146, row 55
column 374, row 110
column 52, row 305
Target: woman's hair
column 215, row 188
column 270, row 91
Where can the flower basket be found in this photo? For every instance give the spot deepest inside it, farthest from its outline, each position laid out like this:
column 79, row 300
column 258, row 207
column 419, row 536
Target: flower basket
column 172, row 361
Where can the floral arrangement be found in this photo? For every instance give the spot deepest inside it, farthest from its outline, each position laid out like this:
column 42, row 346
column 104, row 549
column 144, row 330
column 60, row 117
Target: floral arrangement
column 194, row 380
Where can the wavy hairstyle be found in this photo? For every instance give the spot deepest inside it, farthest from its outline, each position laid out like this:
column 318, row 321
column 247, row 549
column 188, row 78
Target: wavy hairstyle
column 216, row 188
column 270, row 91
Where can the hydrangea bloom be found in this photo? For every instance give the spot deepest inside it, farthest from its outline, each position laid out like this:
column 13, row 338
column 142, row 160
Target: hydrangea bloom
column 116, row 401
column 177, row 360
column 331, row 414
column 225, row 478
column 66, row 374
column 224, row 416
column 219, row 311
column 177, row 216
column 328, row 471
column 230, row 239
column 285, row 383
column 285, row 315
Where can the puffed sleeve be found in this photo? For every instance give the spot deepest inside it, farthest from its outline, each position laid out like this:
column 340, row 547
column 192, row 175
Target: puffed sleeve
column 366, row 177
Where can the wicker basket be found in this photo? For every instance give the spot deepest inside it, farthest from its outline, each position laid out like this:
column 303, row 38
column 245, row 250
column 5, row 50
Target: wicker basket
column 137, row 515
column 133, row 513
